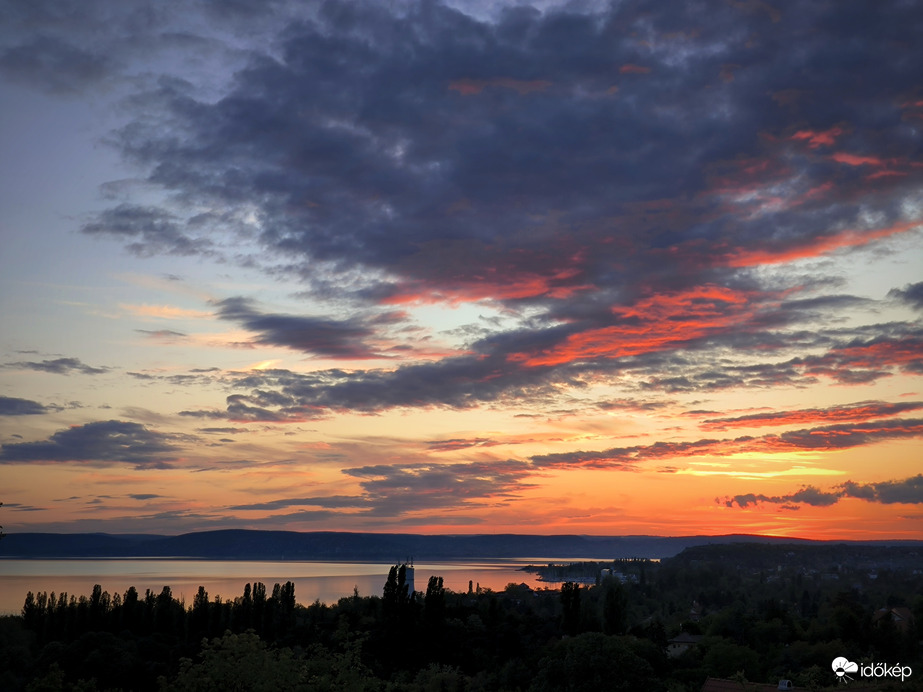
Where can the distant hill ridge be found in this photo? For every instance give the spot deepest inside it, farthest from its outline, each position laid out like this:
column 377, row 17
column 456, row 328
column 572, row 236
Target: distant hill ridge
column 240, row 544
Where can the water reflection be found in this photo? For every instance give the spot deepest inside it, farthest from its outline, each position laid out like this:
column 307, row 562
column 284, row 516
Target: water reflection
column 323, row 581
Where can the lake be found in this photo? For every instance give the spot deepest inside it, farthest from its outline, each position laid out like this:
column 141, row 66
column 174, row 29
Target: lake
column 324, row 581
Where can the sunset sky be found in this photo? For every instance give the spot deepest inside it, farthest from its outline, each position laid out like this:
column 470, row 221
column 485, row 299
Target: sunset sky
column 641, row 267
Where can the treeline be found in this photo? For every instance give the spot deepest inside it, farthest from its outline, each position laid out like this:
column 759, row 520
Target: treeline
column 591, row 571
column 64, row 618
column 438, row 639
column 758, row 618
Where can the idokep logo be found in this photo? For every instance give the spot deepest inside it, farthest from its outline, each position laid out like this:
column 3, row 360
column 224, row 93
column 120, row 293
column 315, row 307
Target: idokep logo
column 843, row 666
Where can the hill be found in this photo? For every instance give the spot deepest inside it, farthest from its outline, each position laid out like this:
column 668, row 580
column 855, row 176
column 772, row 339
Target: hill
column 234, row 544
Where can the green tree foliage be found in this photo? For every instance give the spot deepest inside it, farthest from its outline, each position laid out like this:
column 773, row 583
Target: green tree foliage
column 241, row 662
column 594, row 661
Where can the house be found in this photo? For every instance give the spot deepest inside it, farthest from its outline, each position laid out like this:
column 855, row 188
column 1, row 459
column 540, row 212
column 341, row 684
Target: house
column 901, row 617
column 681, row 643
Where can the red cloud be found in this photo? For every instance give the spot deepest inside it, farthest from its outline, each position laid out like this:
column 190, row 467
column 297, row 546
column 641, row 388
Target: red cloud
column 470, row 87
column 652, row 324
column 817, row 139
column 854, row 160
column 854, row 412
column 633, row 69
column 831, row 437
column 818, row 246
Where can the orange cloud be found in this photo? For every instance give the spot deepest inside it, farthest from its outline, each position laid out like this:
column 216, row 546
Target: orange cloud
column 893, row 352
column 854, row 412
column 526, row 285
column 817, row 139
column 652, row 324
column 818, row 246
column 828, row 438
column 162, row 311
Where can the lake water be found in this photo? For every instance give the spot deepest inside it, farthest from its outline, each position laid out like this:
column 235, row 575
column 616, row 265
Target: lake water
column 324, row 581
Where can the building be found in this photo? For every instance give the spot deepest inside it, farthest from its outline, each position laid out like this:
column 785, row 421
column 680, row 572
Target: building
column 681, row 643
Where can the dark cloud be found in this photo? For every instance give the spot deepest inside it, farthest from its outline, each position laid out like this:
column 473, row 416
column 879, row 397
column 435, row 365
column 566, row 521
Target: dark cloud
column 148, row 231
column 18, row 507
column 13, row 406
column 342, row 339
column 865, row 410
column 842, row 436
column 615, row 177
column 100, row 443
column 847, row 435
column 809, row 495
column 495, row 374
column 330, row 501
column 54, row 64
column 452, row 157
column 392, row 490
column 906, row 491
column 61, row 366
column 459, row 443
column 627, row 457
column 164, row 334
column 459, row 382
column 912, row 294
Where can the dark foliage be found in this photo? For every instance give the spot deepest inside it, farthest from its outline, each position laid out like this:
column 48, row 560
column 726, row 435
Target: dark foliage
column 751, row 613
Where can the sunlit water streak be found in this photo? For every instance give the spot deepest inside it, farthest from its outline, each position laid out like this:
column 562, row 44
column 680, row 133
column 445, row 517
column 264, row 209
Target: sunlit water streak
column 323, row 581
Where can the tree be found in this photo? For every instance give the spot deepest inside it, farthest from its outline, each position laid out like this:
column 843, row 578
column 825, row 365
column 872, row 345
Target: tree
column 239, row 662
column 594, row 661
column 614, row 607
column 570, row 602
column 434, row 601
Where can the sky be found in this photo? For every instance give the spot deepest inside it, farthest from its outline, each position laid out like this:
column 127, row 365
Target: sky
column 639, row 267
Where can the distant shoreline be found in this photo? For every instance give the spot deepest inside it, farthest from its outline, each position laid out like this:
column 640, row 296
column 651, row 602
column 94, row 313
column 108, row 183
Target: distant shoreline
column 292, row 546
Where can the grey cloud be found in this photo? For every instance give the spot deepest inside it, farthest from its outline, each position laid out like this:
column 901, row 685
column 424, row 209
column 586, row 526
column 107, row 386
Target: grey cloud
column 394, row 490
column 54, row 64
column 397, row 489
column 847, row 435
column 912, row 294
column 330, row 137
column 572, row 162
column 330, row 502
column 493, row 376
column 864, row 410
column 13, row 406
column 808, row 495
column 167, row 334
column 148, row 231
column 906, row 491
column 840, row 436
column 459, row 443
column 99, row 443
column 61, row 366
column 344, row 339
